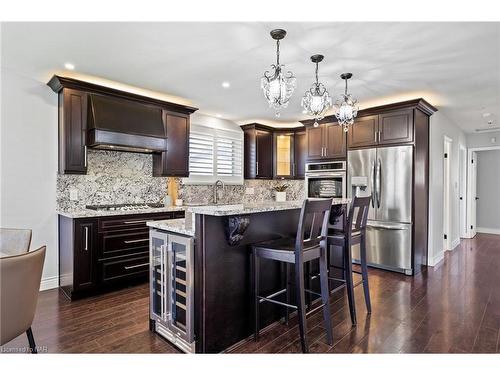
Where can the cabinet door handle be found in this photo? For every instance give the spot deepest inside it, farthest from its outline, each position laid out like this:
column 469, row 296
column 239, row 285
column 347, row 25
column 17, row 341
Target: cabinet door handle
column 86, row 229
column 134, row 222
column 85, row 156
column 376, row 136
column 134, row 241
column 136, row 266
column 257, row 167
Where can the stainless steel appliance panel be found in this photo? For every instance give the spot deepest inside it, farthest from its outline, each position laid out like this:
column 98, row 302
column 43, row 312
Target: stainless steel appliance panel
column 393, row 184
column 388, row 246
column 361, row 175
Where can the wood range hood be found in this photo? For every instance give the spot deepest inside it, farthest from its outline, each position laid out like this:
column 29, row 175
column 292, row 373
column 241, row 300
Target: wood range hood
column 120, row 120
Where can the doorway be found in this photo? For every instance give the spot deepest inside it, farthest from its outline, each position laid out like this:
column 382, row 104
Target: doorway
column 446, row 194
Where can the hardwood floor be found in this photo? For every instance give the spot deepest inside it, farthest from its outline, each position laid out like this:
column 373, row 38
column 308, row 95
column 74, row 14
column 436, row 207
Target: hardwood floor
column 453, row 307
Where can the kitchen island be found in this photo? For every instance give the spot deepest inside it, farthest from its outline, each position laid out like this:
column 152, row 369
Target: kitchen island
column 214, row 310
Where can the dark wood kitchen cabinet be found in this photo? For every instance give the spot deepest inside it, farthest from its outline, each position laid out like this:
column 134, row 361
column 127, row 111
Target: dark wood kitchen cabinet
column 327, row 141
column 383, row 129
column 175, row 161
column 72, row 131
column 299, row 154
column 284, row 154
column 258, row 151
column 102, row 253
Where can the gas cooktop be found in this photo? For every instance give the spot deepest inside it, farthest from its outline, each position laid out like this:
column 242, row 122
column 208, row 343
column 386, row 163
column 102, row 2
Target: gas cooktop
column 124, row 207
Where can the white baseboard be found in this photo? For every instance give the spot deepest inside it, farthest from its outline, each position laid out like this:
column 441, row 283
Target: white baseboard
column 488, row 230
column 49, row 283
column 455, row 243
column 436, row 259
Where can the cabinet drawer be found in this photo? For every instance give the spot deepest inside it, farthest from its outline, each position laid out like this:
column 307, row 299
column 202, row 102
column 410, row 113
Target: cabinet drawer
column 128, row 222
column 125, row 268
column 123, row 243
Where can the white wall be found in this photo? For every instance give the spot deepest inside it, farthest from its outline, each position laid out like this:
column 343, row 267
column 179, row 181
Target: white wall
column 441, row 126
column 488, row 182
column 483, row 139
column 28, row 160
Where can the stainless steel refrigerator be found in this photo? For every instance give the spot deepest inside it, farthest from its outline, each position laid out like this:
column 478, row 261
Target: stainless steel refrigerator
column 385, row 174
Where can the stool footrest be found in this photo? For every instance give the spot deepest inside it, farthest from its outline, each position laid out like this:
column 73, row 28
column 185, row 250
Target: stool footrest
column 357, row 272
column 262, row 299
column 315, row 309
column 275, row 294
column 312, row 292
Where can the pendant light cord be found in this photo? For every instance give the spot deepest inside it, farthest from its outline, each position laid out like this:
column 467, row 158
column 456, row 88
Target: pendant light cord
column 278, row 52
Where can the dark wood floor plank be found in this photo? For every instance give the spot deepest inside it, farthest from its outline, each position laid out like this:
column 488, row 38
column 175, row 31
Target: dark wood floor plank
column 453, row 307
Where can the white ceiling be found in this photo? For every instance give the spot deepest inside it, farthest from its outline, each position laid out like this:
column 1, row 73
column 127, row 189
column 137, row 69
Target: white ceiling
column 455, row 66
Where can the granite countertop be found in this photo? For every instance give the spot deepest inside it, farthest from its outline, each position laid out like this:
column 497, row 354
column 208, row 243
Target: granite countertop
column 250, row 208
column 174, row 225
column 95, row 213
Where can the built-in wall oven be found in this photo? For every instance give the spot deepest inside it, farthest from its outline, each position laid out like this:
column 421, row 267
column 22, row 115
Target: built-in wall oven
column 172, row 287
column 326, row 179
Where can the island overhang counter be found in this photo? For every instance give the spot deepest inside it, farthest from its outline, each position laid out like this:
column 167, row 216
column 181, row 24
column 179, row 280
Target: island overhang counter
column 222, row 237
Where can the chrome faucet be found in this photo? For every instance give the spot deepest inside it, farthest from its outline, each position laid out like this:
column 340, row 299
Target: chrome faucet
column 217, row 184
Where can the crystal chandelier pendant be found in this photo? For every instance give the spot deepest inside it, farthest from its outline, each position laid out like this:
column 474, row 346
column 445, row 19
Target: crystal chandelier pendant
column 277, row 85
column 316, row 101
column 346, row 108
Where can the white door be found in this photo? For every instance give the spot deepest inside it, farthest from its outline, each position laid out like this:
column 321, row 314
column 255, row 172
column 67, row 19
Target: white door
column 473, row 194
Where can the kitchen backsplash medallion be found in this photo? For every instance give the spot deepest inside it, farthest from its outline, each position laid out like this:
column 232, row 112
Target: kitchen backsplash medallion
column 120, row 177
column 112, row 178
column 263, row 191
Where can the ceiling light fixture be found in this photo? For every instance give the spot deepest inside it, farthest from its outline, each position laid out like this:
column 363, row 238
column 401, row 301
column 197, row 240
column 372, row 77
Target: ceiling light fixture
column 346, row 108
column 316, row 101
column 278, row 86
column 69, row 66
column 226, row 84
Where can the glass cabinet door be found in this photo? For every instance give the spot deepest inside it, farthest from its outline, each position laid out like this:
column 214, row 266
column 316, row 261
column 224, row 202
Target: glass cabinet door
column 284, row 152
column 180, row 288
column 158, row 247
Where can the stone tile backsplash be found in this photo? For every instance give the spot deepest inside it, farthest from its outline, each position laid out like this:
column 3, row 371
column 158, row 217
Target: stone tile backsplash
column 112, row 178
column 121, row 177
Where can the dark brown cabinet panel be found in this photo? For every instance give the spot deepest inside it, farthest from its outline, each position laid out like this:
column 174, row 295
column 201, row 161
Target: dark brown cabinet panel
column 335, row 141
column 315, row 145
column 258, row 151
column 396, row 127
column 300, row 154
column 85, row 254
column 327, row 141
column 264, row 154
column 364, row 132
column 175, row 161
column 72, row 132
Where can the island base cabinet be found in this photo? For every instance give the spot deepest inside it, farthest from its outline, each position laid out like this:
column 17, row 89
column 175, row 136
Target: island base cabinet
column 172, row 288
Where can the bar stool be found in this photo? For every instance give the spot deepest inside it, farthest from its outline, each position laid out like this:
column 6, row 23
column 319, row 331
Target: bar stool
column 354, row 233
column 298, row 251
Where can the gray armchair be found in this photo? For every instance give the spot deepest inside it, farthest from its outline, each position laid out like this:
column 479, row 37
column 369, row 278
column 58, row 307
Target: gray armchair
column 14, row 241
column 20, row 277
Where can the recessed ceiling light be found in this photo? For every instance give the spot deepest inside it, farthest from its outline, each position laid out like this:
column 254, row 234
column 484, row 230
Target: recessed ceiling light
column 69, row 66
column 218, row 115
column 486, row 114
column 304, row 111
column 226, row 84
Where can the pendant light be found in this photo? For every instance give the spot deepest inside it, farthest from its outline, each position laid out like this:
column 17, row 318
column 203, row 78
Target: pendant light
column 346, row 108
column 316, row 101
column 278, row 86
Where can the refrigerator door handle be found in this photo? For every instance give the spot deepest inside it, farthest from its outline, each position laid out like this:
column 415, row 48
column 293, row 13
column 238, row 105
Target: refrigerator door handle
column 378, row 182
column 373, row 183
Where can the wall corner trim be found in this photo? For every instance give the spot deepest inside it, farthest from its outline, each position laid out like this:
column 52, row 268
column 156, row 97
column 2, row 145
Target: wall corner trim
column 436, row 259
column 455, row 243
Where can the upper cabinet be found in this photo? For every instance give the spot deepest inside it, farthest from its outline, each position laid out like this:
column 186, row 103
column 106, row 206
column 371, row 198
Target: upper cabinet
column 72, row 131
column 327, row 141
column 274, row 153
column 388, row 124
column 175, row 161
column 258, row 150
column 99, row 117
